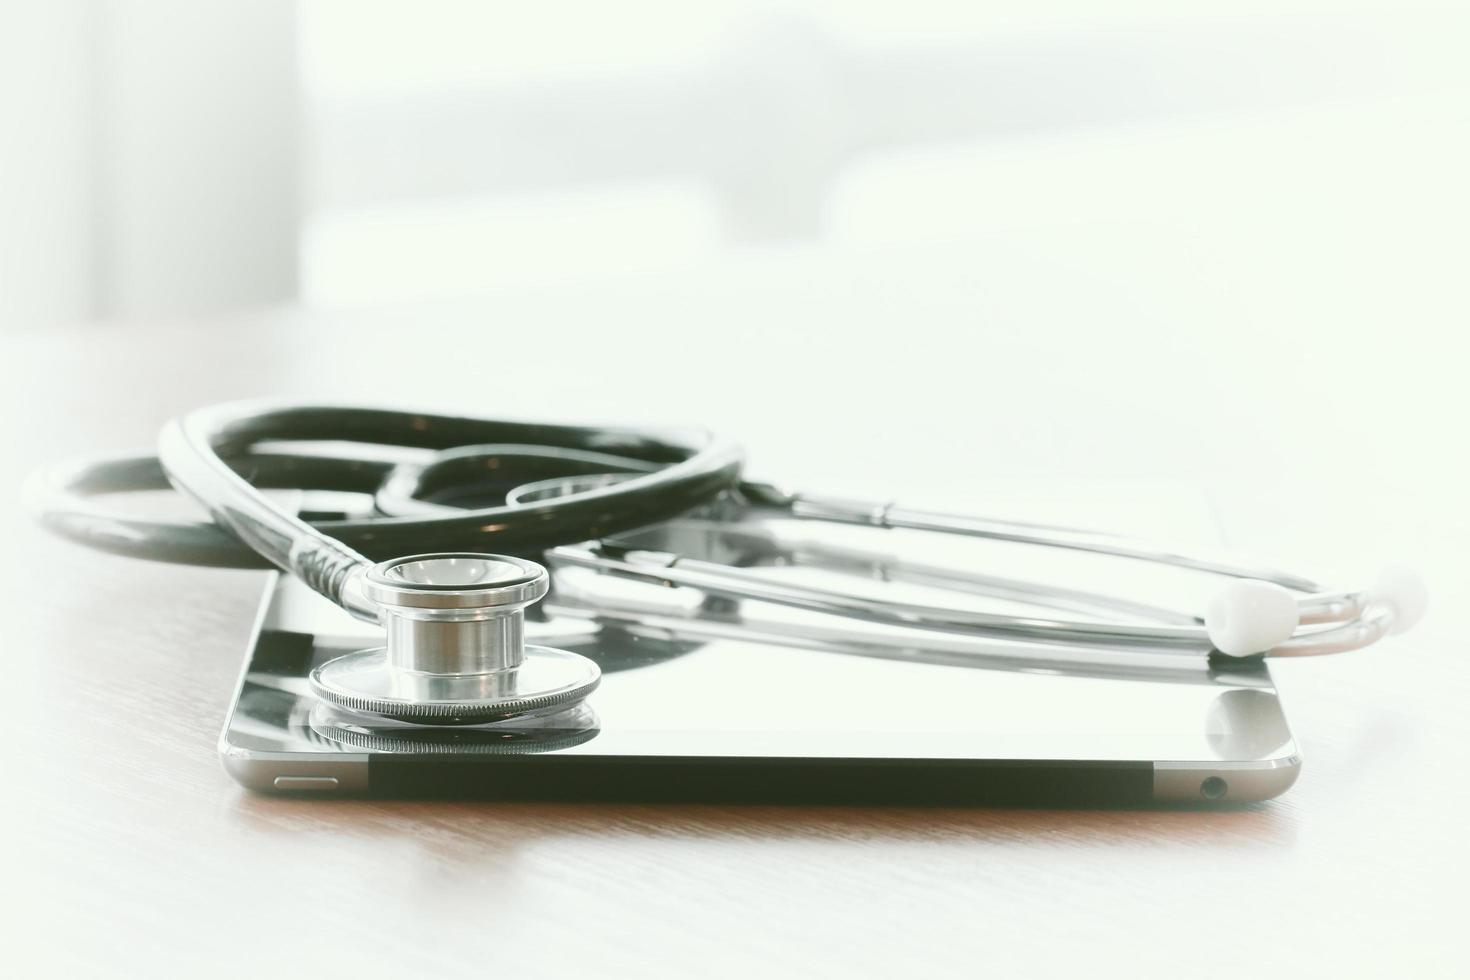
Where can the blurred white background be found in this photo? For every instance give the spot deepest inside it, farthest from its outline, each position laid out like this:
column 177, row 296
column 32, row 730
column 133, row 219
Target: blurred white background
column 163, row 159
column 1221, row 243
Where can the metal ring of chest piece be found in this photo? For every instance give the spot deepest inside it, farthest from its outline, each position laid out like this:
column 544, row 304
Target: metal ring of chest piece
column 456, row 653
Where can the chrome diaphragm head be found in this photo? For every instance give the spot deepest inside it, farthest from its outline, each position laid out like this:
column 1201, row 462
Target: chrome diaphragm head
column 455, row 653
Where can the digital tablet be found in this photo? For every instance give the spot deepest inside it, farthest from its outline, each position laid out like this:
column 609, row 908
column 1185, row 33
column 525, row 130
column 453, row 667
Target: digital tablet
column 691, row 713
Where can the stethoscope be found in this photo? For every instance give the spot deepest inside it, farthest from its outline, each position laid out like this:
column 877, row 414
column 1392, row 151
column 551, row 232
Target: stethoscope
column 666, row 507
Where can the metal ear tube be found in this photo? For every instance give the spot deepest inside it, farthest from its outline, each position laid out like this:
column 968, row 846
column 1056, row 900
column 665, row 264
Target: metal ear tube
column 455, row 653
column 455, row 649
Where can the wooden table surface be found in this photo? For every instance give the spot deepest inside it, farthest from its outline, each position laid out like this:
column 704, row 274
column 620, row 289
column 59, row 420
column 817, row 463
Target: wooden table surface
column 130, row 852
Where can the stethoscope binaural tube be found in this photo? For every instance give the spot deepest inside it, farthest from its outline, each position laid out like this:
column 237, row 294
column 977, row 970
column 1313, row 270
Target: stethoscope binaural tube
column 583, row 486
column 694, row 467
column 684, row 468
column 1246, row 618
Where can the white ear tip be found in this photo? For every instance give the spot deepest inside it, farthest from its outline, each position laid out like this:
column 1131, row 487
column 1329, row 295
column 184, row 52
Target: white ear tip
column 1402, row 588
column 1250, row 616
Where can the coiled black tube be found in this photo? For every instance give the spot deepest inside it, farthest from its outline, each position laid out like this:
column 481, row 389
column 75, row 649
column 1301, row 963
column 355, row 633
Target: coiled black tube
column 211, row 455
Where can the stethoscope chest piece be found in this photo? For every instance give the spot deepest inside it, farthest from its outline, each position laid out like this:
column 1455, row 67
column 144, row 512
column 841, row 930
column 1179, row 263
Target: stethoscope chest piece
column 455, row 653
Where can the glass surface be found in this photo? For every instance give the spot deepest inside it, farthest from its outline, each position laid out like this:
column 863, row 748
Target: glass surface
column 666, row 695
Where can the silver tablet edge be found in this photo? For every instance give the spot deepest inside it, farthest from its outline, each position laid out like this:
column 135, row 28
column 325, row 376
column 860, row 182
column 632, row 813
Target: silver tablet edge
column 1225, row 782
